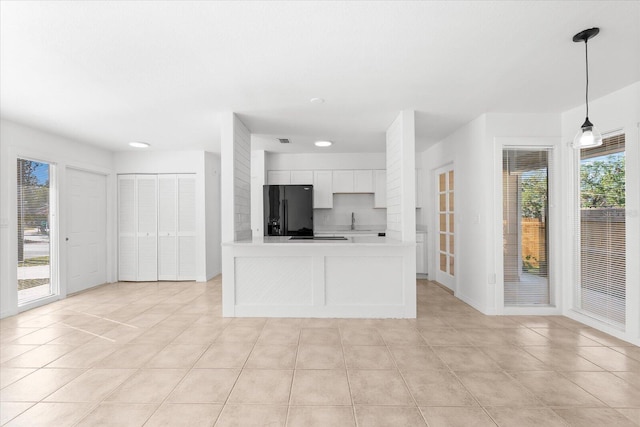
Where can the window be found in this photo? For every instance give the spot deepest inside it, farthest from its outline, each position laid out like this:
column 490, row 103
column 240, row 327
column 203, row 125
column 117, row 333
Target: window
column 34, row 230
column 602, row 260
column 525, row 177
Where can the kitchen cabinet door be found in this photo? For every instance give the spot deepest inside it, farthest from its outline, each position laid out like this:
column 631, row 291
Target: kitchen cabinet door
column 322, row 189
column 380, row 190
column 421, row 253
column 342, row 181
column 302, row 177
column 278, row 177
column 363, row 181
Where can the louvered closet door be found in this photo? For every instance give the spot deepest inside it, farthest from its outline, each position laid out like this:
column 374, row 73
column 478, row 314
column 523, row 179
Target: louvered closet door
column 127, row 228
column 186, row 226
column 147, row 206
column 167, row 227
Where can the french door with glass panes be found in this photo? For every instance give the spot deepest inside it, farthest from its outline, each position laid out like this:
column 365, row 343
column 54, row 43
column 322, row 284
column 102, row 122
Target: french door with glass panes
column 445, row 220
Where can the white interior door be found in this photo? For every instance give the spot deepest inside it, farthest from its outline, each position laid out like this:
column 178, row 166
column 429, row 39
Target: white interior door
column 186, row 227
column 445, row 227
column 167, row 221
column 147, row 206
column 86, row 230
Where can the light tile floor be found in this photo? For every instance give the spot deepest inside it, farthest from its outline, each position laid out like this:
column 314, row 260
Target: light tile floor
column 153, row 354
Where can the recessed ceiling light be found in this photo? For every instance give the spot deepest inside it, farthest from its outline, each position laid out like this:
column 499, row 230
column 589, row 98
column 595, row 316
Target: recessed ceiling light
column 316, row 101
column 323, row 143
column 139, row 144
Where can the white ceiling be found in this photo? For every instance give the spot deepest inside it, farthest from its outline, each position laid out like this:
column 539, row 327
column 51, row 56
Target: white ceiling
column 112, row 72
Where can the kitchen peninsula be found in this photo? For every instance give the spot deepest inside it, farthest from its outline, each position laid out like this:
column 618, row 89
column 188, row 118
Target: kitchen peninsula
column 362, row 277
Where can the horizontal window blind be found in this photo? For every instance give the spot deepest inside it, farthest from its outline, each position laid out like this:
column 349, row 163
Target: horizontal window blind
column 525, row 175
column 602, row 283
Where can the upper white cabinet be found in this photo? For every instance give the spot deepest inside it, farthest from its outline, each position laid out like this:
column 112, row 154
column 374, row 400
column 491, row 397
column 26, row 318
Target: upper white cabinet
column 353, row 181
column 342, row 181
column 363, row 181
column 322, row 189
column 302, row 177
column 380, row 189
column 279, row 177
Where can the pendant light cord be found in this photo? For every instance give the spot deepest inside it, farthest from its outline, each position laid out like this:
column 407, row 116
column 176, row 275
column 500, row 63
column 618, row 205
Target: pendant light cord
column 586, row 92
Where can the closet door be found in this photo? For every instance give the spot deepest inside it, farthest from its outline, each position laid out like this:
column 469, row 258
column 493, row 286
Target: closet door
column 147, row 206
column 167, row 227
column 127, row 229
column 186, row 226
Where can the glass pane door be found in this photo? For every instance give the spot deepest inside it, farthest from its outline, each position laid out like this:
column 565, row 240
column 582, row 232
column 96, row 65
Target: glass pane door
column 446, row 249
column 525, row 191
column 34, row 230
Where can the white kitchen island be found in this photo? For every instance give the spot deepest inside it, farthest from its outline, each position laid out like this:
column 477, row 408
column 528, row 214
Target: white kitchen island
column 364, row 277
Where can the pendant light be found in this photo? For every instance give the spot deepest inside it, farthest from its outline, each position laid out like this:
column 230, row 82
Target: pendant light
column 588, row 135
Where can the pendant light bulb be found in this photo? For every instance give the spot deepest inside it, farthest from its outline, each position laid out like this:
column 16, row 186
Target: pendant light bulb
column 588, row 135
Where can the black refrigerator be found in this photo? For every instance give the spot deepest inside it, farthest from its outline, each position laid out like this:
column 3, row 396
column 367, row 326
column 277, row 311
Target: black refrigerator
column 288, row 210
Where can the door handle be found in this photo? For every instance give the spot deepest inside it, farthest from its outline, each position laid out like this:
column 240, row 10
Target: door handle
column 66, row 239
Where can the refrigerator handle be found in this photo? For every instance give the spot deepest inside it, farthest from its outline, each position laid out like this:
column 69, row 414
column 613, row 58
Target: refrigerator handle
column 285, row 221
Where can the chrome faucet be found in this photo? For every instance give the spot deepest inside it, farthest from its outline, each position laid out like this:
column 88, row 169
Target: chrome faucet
column 353, row 221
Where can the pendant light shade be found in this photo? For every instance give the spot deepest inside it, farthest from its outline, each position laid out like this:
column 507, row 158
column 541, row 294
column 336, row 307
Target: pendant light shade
column 588, row 135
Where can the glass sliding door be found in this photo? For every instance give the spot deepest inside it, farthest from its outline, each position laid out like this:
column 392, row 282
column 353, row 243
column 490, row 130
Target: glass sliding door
column 602, row 258
column 34, row 230
column 525, row 178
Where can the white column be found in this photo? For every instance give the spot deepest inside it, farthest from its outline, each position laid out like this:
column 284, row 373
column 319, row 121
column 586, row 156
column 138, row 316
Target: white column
column 401, row 181
column 235, row 149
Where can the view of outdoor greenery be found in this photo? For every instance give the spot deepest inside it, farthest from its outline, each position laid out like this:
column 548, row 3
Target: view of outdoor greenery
column 602, row 182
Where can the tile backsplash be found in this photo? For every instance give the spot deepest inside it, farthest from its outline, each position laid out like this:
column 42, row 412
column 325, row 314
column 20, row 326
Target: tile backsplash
column 343, row 204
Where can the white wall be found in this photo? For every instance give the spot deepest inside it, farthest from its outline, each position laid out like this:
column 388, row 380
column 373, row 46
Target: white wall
column 193, row 162
column 471, row 150
column 326, row 161
column 17, row 140
column 618, row 111
column 212, row 214
column 367, row 217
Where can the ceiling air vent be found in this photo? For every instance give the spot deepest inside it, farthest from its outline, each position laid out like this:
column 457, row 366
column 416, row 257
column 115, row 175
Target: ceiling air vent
column 283, row 140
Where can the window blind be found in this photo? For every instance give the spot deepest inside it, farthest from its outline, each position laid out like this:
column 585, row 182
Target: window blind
column 525, row 192
column 602, row 257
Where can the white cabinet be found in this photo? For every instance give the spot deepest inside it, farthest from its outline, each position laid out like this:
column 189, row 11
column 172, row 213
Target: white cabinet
column 278, row 177
column 302, row 177
column 380, row 189
column 421, row 253
column 363, row 181
column 156, row 227
column 349, row 181
column 342, row 181
column 322, row 189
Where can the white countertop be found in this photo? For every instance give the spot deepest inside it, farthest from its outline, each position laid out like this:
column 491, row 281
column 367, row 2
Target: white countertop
column 350, row 241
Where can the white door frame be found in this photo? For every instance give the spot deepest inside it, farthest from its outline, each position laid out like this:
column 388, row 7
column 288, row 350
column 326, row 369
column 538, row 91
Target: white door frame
column 555, row 238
